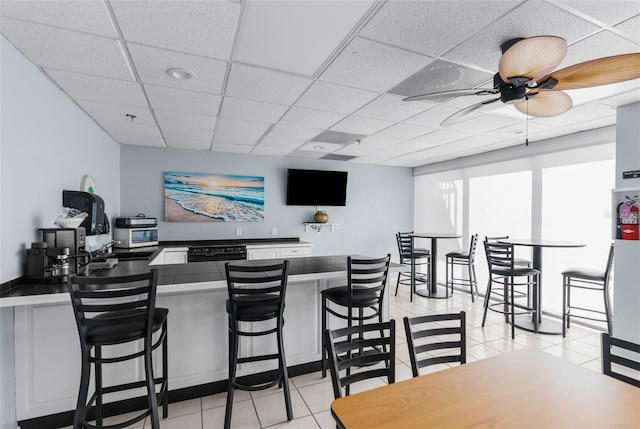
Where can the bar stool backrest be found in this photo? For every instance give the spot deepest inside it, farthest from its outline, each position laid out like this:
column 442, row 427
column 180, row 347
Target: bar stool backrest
column 627, row 355
column 126, row 303
column 404, row 244
column 499, row 256
column 370, row 273
column 472, row 248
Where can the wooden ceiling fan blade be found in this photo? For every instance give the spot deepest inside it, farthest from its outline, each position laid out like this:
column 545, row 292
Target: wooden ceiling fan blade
column 601, row 71
column 471, row 110
column 443, row 95
column 532, row 57
column 545, row 103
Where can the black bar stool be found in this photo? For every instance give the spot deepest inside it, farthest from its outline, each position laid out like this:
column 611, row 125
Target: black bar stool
column 587, row 279
column 366, row 280
column 256, row 294
column 463, row 259
column 412, row 257
column 125, row 311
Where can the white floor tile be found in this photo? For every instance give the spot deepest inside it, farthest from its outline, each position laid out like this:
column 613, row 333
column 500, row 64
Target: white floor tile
column 271, row 409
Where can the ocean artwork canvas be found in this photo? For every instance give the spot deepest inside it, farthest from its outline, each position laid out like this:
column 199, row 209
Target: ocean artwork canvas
column 203, row 197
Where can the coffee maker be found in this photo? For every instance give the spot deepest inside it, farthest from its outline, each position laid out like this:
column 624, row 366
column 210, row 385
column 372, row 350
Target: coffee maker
column 60, row 253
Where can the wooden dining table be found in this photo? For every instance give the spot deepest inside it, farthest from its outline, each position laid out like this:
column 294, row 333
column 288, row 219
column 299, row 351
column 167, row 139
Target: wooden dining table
column 527, row 388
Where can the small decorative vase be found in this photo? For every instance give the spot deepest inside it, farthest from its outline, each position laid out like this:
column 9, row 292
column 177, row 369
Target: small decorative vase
column 321, row 217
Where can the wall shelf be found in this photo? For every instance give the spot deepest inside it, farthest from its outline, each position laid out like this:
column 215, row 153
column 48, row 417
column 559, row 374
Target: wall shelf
column 318, row 226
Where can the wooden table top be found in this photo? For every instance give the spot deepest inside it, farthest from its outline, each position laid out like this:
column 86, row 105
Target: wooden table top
column 522, row 389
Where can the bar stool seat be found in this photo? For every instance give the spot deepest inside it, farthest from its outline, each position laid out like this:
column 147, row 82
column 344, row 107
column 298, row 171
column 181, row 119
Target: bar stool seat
column 123, row 314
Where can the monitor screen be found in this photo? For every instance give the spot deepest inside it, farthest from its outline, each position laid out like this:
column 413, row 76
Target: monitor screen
column 316, row 188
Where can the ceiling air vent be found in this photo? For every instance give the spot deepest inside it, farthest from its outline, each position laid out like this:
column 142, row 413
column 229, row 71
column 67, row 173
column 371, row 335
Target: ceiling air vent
column 332, row 157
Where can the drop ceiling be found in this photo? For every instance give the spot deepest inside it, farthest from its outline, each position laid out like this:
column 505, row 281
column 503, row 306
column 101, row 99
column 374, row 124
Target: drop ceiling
column 313, row 79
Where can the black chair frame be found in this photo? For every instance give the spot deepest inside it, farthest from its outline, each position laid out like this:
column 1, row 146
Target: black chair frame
column 366, row 281
column 420, row 328
column 125, row 312
column 256, row 294
column 409, row 257
column 359, row 347
column 465, row 259
column 587, row 279
column 609, row 358
column 503, row 270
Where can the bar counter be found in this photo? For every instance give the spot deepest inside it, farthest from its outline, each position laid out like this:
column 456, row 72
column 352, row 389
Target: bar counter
column 47, row 355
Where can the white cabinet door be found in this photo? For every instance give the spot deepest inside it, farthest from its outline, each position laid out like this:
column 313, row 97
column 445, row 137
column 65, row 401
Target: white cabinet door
column 295, row 252
column 263, row 253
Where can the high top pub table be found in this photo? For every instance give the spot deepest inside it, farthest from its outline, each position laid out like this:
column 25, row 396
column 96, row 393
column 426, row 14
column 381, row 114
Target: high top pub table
column 549, row 326
column 432, row 290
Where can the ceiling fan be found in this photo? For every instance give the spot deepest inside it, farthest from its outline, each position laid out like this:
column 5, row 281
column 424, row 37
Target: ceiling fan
column 526, row 78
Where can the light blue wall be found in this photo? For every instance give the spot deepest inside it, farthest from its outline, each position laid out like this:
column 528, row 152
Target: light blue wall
column 379, row 199
column 46, row 145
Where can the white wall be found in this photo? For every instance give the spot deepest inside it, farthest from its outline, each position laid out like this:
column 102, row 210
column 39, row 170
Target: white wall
column 379, row 199
column 46, row 145
column 626, row 298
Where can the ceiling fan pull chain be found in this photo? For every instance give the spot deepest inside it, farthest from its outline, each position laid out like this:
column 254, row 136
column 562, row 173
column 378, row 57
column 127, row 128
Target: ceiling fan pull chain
column 526, row 125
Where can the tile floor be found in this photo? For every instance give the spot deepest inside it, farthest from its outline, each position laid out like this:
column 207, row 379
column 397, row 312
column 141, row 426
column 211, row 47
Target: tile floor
column 312, row 395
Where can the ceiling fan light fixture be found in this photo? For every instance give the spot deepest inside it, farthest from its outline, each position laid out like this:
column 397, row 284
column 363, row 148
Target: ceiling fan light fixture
column 181, row 74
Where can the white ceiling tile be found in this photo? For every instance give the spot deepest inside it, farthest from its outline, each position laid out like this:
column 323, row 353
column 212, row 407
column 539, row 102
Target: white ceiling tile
column 231, row 148
column 622, row 99
column 432, row 117
column 578, row 114
column 310, row 118
column 152, row 65
column 482, row 123
column 292, row 36
column 594, row 123
column 320, row 147
column 184, row 121
column 293, row 133
column 432, row 27
column 475, row 142
column 237, row 132
column 631, row 28
column 368, row 159
column 404, row 132
column 265, row 85
column 117, row 112
column 250, row 110
column 138, row 140
column 604, row 11
column 130, row 128
column 204, row 28
column 385, row 66
column 196, row 134
column 305, row 154
column 94, row 88
column 403, row 149
column 357, row 125
column 179, row 100
column 87, row 16
column 334, row 98
column 593, row 47
column 483, row 49
column 187, row 143
column 441, row 137
column 280, row 143
column 391, row 108
column 270, row 151
column 68, row 50
column 520, row 130
column 355, row 149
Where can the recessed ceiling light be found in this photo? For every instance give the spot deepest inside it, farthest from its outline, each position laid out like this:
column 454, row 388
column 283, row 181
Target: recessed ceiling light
column 181, row 74
column 318, row 147
column 516, row 132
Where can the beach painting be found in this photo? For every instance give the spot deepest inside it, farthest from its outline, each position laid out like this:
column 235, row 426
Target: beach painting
column 203, row 197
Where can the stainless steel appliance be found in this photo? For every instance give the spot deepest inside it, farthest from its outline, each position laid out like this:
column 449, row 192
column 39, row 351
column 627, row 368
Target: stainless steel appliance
column 73, row 239
column 136, row 231
column 205, row 252
column 47, row 264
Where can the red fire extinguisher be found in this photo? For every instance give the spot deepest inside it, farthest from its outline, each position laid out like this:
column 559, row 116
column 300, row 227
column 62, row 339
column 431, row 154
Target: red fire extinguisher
column 628, row 215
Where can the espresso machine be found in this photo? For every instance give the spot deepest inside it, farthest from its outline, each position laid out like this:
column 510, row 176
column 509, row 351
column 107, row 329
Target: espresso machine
column 60, row 253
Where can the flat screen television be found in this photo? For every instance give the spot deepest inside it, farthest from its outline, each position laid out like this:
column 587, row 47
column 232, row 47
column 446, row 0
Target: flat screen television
column 316, row 188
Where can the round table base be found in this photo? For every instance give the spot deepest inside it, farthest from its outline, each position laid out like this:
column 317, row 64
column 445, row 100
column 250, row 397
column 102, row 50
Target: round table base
column 547, row 326
column 439, row 293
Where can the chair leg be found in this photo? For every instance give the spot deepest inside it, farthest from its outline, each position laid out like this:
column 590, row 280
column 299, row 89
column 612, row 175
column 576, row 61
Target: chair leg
column 165, row 372
column 486, row 301
column 80, row 415
column 233, row 360
column 397, row 284
column 284, row 373
column 607, row 308
column 324, row 345
column 513, row 309
column 471, row 277
column 565, row 291
column 151, row 386
column 98, row 384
